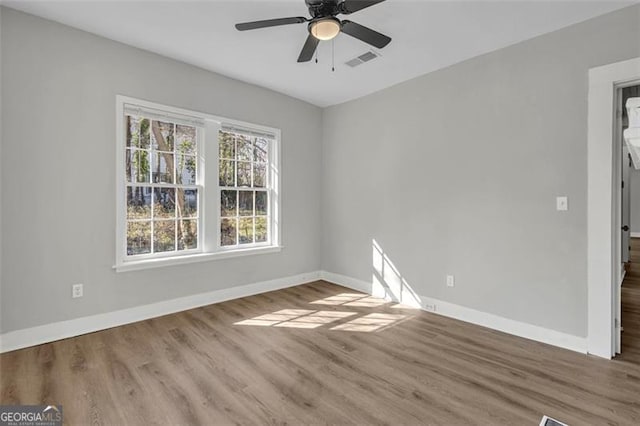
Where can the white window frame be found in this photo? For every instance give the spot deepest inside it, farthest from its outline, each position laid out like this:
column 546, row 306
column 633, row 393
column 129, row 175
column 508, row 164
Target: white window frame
column 209, row 247
column 236, row 129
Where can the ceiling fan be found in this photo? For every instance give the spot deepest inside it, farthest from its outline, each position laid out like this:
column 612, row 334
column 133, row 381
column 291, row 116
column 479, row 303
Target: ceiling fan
column 323, row 24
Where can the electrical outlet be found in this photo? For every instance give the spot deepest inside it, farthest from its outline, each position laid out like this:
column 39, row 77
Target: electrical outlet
column 77, row 290
column 430, row 308
column 450, row 281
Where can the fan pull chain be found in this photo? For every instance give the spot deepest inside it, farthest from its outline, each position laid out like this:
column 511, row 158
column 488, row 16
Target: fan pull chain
column 333, row 55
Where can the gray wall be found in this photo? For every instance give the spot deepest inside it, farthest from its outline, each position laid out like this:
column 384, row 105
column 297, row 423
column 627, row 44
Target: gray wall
column 58, row 150
column 1, row 168
column 456, row 172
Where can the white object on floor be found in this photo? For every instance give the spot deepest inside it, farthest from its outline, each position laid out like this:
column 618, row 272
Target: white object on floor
column 548, row 421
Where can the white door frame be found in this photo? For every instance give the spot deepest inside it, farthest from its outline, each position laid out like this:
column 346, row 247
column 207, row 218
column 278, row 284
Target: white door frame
column 603, row 257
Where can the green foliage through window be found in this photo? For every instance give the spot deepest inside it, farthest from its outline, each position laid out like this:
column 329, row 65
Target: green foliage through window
column 161, row 184
column 244, row 196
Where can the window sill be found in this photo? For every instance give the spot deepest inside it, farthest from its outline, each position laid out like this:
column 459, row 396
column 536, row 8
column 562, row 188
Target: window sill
column 138, row 265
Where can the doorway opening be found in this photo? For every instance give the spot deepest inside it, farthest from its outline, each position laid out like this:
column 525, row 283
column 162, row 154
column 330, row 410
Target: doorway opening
column 604, row 154
column 627, row 321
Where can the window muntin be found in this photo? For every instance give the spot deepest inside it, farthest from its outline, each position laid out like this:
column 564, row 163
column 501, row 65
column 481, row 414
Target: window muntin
column 159, row 163
column 244, row 190
column 161, row 186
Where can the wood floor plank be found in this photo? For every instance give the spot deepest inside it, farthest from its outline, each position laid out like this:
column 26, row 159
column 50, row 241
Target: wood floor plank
column 631, row 306
column 320, row 353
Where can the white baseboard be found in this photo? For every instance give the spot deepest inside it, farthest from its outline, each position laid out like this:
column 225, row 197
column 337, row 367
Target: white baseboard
column 345, row 281
column 635, row 234
column 64, row 329
column 495, row 322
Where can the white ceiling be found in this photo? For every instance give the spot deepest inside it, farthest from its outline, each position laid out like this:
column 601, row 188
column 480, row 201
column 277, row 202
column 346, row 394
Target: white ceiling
column 427, row 35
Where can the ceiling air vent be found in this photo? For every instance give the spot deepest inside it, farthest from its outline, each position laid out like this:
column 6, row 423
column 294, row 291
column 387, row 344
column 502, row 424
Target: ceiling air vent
column 359, row 60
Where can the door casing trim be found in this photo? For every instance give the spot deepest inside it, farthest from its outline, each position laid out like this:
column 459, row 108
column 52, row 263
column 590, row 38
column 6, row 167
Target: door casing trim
column 603, row 258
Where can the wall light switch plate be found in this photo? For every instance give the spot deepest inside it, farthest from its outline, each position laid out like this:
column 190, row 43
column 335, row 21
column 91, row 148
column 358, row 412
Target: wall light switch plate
column 562, row 204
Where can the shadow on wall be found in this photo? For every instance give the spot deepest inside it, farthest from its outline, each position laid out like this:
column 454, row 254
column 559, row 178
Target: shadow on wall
column 388, row 282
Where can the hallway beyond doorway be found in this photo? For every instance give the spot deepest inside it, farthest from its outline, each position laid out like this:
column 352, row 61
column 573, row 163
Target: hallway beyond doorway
column 631, row 306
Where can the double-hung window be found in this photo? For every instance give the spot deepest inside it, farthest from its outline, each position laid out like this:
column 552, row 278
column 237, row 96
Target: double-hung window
column 192, row 186
column 244, row 191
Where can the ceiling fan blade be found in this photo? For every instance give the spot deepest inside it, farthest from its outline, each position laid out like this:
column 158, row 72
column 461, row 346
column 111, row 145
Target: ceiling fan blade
column 269, row 23
column 365, row 34
column 308, row 49
column 349, row 6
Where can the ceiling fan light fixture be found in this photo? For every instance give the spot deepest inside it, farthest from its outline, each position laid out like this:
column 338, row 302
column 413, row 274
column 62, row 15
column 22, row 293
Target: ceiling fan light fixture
column 325, row 29
column 324, row 25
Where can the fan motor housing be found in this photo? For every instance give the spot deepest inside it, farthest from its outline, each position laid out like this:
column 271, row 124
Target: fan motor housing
column 322, row 8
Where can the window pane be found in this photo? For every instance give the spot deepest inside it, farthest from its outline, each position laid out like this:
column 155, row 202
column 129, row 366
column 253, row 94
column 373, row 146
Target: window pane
column 164, row 203
column 250, row 170
column 186, row 139
column 145, row 130
column 162, row 167
column 133, row 131
column 137, row 165
column 260, row 150
column 228, row 232
column 164, row 235
column 245, row 203
column 187, row 202
column 227, row 146
column 244, row 174
column 261, row 229
column 186, row 173
column 228, row 202
column 262, row 202
column 244, row 148
column 162, row 135
column 245, row 230
column 227, row 173
column 187, row 234
column 259, row 175
column 138, row 202
column 162, row 213
column 138, row 238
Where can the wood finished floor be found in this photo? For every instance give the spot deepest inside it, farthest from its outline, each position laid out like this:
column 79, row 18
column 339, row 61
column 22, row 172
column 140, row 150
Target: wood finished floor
column 631, row 306
column 319, row 354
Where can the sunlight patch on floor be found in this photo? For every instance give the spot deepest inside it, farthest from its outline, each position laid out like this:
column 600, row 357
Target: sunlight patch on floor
column 296, row 318
column 368, row 302
column 316, row 319
column 370, row 322
column 350, row 299
column 311, row 319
